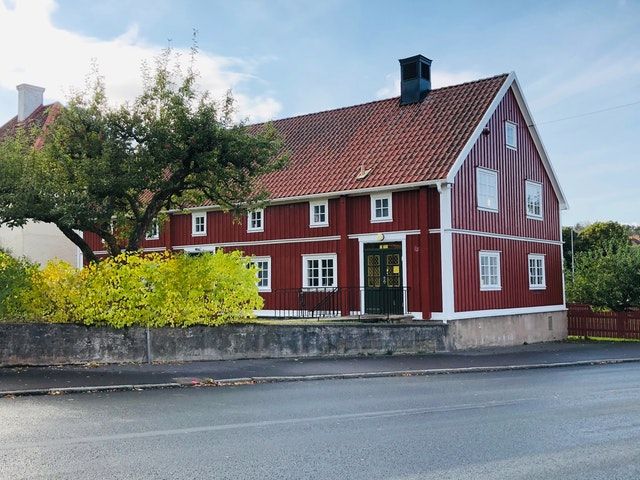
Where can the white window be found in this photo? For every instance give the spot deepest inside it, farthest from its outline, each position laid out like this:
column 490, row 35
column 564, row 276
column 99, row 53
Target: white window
column 263, row 264
column 319, row 213
column 487, row 189
column 199, row 223
column 381, row 207
column 490, row 271
column 511, row 135
column 537, row 278
column 319, row 271
column 255, row 221
column 533, row 199
column 154, row 230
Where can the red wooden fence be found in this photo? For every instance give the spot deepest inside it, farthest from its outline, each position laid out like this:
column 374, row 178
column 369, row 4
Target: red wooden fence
column 585, row 323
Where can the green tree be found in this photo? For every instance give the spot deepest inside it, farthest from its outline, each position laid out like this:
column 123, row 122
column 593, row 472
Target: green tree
column 112, row 170
column 607, row 277
column 601, row 235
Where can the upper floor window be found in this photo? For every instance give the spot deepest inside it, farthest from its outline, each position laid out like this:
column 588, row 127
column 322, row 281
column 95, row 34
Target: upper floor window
column 319, row 271
column 263, row 265
column 319, row 213
column 537, row 276
column 490, row 270
column 511, row 134
column 199, row 223
column 533, row 197
column 255, row 220
column 154, row 230
column 487, row 189
column 381, row 207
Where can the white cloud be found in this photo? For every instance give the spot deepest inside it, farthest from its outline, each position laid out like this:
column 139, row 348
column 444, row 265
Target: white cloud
column 38, row 52
column 439, row 79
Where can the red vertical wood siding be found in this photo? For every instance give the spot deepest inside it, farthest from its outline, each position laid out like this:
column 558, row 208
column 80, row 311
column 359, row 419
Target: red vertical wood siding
column 514, row 168
column 514, row 263
column 286, row 265
column 348, row 215
column 405, row 213
column 94, row 241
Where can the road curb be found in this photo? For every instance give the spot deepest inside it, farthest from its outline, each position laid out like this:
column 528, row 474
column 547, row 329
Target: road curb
column 228, row 382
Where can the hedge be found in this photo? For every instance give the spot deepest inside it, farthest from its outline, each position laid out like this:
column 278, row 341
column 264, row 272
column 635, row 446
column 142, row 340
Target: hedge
column 157, row 290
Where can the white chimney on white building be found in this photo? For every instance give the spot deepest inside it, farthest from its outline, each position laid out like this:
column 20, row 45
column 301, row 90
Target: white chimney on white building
column 30, row 97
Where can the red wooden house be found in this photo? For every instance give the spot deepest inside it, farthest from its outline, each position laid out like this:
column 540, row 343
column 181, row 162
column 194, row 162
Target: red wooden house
column 441, row 204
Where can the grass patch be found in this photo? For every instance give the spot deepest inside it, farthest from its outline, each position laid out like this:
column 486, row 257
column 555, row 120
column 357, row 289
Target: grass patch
column 573, row 338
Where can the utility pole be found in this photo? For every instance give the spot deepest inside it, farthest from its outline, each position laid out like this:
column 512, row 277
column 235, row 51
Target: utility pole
column 573, row 260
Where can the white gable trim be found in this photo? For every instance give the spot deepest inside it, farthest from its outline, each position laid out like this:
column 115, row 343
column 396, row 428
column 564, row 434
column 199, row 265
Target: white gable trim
column 511, row 81
column 464, row 153
column 533, row 130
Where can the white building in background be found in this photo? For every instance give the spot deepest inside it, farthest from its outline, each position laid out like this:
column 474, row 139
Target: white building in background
column 40, row 242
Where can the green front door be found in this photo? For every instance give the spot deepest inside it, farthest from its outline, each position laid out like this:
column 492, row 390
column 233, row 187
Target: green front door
column 383, row 289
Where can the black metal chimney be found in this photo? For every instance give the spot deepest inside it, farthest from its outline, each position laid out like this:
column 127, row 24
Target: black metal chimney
column 415, row 79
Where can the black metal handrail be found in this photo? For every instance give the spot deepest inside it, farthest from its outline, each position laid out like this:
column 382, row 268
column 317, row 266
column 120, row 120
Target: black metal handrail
column 323, row 302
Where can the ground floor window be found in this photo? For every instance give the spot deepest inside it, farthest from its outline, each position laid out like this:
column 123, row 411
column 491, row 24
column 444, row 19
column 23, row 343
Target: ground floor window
column 537, row 278
column 490, row 270
column 263, row 264
column 319, row 271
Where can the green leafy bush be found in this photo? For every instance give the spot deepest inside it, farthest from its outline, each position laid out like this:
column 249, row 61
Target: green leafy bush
column 154, row 290
column 607, row 277
column 15, row 277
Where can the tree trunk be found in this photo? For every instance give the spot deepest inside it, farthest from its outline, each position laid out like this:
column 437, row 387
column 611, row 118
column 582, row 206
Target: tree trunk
column 84, row 247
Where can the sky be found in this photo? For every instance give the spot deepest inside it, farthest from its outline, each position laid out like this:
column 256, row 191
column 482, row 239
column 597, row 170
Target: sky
column 288, row 57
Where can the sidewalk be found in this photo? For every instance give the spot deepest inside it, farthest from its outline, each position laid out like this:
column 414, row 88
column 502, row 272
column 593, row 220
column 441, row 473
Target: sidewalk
column 44, row 380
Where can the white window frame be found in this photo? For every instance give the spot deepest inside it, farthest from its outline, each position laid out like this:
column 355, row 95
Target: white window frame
column 494, row 173
column 531, row 184
column 154, row 228
column 250, row 227
column 381, row 196
column 267, row 260
column 507, row 126
column 194, row 232
column 490, row 254
column 537, row 257
column 319, row 203
column 319, row 257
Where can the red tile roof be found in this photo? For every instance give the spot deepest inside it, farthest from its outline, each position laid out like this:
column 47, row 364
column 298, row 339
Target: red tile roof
column 398, row 144
column 40, row 118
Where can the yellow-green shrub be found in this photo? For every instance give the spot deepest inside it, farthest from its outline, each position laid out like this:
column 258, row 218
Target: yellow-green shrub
column 15, row 277
column 157, row 290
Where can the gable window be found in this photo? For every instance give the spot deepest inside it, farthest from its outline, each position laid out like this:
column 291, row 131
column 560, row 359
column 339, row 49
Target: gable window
column 487, row 189
column 533, row 197
column 319, row 271
column 319, row 213
column 199, row 223
column 511, row 135
column 263, row 264
column 381, row 207
column 153, row 233
column 490, row 270
column 537, row 277
column 255, row 221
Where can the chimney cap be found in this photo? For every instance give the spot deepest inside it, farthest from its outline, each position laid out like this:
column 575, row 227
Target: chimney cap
column 27, row 86
column 415, row 58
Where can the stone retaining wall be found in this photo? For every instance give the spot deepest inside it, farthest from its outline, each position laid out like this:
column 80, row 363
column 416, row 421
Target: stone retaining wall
column 49, row 344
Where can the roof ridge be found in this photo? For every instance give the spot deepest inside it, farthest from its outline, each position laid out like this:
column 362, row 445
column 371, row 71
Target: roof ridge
column 493, row 77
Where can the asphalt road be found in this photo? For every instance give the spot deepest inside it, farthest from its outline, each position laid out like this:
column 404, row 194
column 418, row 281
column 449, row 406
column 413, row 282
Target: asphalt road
column 569, row 423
